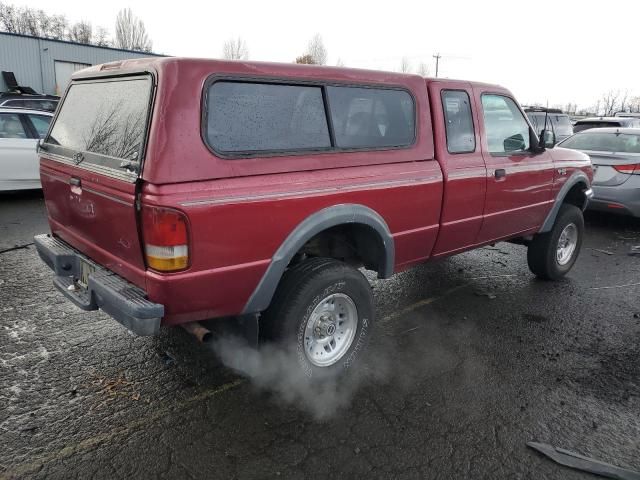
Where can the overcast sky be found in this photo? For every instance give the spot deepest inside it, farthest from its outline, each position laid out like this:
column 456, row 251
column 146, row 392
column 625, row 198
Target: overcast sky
column 558, row 51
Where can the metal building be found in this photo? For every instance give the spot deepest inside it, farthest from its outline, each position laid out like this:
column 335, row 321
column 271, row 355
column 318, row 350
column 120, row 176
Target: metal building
column 46, row 65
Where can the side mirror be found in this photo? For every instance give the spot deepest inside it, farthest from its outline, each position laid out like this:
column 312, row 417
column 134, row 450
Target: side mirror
column 514, row 143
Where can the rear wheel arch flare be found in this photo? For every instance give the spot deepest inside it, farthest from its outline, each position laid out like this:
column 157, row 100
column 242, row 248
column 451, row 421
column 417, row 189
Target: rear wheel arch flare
column 352, row 218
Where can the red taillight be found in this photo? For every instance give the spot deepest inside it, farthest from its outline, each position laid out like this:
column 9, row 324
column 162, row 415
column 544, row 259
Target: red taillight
column 166, row 240
column 632, row 168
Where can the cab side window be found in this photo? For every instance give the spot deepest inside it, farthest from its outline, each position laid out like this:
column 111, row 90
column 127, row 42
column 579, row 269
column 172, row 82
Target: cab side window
column 40, row 123
column 506, row 129
column 458, row 121
column 371, row 117
column 11, row 126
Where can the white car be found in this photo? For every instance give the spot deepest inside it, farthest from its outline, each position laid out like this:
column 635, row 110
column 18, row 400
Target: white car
column 20, row 131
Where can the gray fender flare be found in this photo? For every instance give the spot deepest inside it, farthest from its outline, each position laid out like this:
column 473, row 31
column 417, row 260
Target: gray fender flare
column 312, row 225
column 577, row 177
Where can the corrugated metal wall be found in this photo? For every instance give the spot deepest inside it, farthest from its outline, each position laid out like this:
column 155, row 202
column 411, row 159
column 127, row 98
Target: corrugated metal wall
column 32, row 60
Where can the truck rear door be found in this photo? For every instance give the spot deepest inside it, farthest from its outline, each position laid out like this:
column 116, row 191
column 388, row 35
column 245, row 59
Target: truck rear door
column 459, row 152
column 90, row 164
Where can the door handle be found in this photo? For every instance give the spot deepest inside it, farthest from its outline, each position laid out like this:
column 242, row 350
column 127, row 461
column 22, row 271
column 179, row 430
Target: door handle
column 500, row 173
column 74, row 182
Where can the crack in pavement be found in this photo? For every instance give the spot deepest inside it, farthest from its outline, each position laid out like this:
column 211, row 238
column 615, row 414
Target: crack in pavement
column 17, row 247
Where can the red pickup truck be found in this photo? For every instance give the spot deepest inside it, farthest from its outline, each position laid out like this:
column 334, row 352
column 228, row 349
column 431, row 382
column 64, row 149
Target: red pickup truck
column 180, row 190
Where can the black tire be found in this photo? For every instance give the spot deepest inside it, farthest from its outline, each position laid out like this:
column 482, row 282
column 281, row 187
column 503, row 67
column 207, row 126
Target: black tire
column 542, row 253
column 302, row 288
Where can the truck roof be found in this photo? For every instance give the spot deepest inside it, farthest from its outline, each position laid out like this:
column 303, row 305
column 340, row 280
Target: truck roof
column 263, row 68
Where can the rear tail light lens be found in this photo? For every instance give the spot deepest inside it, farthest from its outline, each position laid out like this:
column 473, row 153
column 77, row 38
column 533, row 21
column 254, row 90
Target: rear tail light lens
column 632, row 169
column 166, row 240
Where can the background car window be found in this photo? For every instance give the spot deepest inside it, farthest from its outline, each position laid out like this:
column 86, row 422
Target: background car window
column 507, row 130
column 371, row 117
column 255, row 117
column 11, row 126
column 580, row 126
column 561, row 124
column 40, row 123
column 48, row 105
column 604, row 142
column 537, row 122
column 458, row 121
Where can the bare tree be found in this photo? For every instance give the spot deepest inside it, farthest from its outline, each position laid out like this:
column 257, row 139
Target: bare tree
column 610, row 102
column 339, row 63
column 405, row 65
column 316, row 50
column 424, row 70
column 30, row 24
column 624, row 100
column 131, row 33
column 235, row 49
column 9, row 18
column 101, row 37
column 305, row 60
column 81, row 32
column 634, row 105
column 57, row 26
column 38, row 23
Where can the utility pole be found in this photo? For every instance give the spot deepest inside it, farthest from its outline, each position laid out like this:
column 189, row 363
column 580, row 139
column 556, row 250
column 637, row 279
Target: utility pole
column 437, row 57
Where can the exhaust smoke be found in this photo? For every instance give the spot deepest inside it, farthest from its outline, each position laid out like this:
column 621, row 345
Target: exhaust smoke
column 275, row 369
column 420, row 348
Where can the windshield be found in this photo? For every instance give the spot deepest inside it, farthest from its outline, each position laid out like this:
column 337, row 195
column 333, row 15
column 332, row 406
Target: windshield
column 106, row 117
column 604, row 142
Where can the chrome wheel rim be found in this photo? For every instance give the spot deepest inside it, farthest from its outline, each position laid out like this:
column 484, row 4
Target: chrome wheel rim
column 567, row 244
column 330, row 330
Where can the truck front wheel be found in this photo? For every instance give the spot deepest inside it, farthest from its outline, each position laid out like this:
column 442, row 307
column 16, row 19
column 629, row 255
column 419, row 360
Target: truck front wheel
column 551, row 255
column 322, row 313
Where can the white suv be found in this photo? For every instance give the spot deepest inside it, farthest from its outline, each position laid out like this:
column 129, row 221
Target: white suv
column 20, row 130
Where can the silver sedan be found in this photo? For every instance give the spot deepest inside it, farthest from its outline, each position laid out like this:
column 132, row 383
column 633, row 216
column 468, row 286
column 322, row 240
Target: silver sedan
column 615, row 155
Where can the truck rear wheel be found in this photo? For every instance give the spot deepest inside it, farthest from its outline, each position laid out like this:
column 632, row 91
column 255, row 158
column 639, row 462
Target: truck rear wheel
column 551, row 255
column 323, row 312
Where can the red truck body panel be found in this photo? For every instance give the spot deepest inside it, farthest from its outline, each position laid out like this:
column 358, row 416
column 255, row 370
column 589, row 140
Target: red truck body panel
column 241, row 210
column 96, row 217
column 233, row 255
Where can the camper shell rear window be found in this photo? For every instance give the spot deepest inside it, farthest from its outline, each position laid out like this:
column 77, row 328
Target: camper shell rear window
column 103, row 123
column 246, row 118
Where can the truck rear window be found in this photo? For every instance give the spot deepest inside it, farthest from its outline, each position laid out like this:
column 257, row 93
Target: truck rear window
column 106, row 118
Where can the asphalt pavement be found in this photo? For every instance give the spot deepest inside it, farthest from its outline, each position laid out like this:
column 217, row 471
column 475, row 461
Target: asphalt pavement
column 471, row 358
